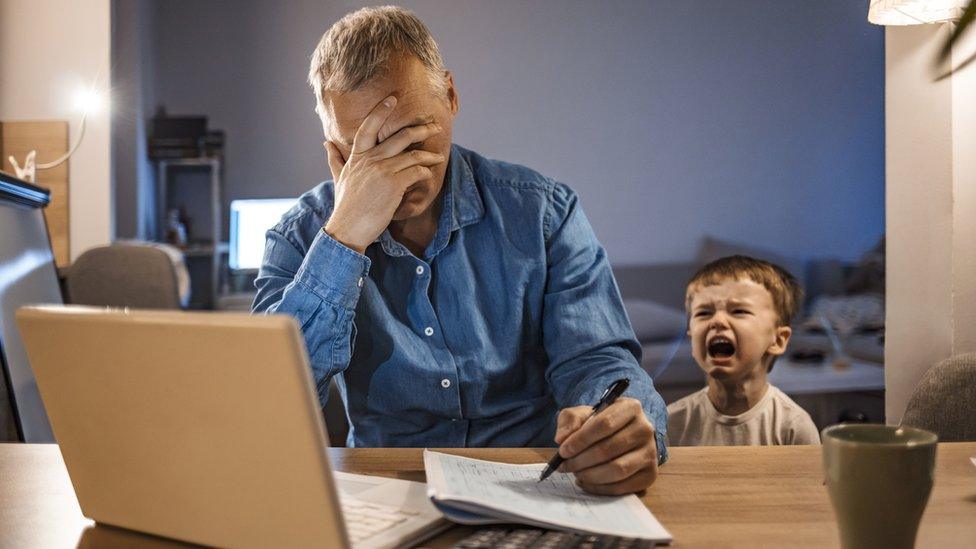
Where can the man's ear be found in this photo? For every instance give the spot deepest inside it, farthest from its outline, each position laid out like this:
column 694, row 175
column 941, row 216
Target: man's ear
column 780, row 341
column 452, row 94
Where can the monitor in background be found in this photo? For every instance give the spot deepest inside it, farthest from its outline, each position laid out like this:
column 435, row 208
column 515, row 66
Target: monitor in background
column 27, row 276
column 249, row 220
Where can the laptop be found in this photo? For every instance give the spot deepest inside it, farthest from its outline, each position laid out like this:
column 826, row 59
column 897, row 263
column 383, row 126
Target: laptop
column 205, row 427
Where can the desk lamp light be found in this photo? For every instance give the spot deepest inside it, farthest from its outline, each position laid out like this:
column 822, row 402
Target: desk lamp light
column 86, row 100
column 915, row 12
column 959, row 14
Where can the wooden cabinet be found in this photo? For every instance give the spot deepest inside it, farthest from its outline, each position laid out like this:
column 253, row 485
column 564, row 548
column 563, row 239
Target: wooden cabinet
column 50, row 140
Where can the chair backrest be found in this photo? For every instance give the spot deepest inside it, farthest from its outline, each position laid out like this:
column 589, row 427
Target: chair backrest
column 124, row 275
column 944, row 398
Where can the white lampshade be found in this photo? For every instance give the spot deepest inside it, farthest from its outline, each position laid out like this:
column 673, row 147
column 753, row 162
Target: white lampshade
column 914, row 12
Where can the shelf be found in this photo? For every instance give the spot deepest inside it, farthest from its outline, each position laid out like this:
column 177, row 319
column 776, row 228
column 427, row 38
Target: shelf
column 202, row 161
column 206, row 286
column 204, row 250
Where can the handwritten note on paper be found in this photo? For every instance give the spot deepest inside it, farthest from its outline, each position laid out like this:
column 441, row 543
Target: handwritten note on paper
column 512, row 492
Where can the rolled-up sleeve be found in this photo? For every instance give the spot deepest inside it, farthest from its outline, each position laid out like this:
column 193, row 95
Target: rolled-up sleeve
column 320, row 288
column 588, row 339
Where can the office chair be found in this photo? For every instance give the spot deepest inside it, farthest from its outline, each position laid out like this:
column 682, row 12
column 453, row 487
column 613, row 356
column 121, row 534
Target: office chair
column 943, row 400
column 125, row 275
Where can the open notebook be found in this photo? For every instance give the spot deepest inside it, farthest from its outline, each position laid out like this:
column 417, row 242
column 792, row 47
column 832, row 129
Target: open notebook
column 473, row 491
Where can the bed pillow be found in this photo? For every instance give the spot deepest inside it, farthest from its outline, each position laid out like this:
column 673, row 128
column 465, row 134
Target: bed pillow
column 653, row 321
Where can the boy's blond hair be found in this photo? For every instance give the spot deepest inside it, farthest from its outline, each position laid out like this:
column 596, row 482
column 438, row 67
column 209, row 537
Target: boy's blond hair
column 782, row 286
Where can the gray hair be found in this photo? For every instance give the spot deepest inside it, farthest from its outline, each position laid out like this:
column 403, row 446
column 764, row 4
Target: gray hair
column 357, row 49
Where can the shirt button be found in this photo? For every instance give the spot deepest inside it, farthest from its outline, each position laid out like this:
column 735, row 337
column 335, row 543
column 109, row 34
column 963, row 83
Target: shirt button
column 420, row 269
column 428, row 331
column 360, row 282
column 445, row 383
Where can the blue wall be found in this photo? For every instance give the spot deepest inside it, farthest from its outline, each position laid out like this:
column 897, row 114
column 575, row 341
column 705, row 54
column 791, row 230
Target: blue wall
column 756, row 121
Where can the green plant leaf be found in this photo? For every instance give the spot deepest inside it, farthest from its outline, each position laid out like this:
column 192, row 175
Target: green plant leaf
column 964, row 22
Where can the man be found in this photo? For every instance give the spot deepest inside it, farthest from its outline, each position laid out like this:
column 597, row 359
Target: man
column 458, row 301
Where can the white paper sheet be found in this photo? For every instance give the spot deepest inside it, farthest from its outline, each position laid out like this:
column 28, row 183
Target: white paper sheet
column 511, row 492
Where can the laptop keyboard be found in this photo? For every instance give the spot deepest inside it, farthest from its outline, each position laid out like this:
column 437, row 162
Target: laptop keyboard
column 365, row 520
column 539, row 538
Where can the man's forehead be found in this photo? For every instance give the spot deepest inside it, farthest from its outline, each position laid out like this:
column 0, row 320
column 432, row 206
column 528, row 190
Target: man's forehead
column 349, row 109
column 405, row 78
column 349, row 114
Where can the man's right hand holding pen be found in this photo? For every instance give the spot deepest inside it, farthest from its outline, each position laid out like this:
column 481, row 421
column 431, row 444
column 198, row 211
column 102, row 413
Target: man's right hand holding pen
column 612, row 453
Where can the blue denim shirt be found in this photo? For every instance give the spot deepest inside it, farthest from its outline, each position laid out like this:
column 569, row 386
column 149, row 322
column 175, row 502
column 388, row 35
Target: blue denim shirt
column 511, row 314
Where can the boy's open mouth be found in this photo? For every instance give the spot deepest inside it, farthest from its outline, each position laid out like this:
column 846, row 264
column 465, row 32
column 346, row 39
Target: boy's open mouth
column 721, row 347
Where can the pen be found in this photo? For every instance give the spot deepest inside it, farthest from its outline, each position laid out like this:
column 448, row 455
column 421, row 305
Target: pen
column 615, row 389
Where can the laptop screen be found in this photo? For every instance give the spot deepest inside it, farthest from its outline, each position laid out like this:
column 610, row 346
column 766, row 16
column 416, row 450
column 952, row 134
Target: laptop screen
column 27, row 276
column 249, row 220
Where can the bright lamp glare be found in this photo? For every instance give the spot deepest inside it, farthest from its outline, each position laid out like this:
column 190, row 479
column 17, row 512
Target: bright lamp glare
column 88, row 100
column 914, row 12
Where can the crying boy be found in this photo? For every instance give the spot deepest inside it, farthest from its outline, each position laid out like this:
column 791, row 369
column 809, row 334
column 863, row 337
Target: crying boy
column 739, row 312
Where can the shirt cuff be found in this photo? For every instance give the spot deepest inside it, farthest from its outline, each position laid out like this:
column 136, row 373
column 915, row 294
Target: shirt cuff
column 333, row 271
column 662, row 448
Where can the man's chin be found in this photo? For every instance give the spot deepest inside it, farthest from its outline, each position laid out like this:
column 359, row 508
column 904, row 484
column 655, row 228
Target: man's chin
column 405, row 212
column 412, row 205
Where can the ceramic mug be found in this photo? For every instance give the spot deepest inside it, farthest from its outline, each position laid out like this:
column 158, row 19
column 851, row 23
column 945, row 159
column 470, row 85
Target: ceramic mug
column 879, row 478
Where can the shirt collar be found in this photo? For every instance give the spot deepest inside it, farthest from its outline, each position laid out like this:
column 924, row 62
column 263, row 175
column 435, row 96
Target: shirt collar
column 462, row 206
column 466, row 205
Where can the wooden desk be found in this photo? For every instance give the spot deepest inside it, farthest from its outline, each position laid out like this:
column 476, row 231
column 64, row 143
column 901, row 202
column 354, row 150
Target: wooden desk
column 706, row 497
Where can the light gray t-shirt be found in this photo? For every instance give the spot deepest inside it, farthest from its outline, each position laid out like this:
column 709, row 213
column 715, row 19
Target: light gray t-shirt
column 774, row 420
